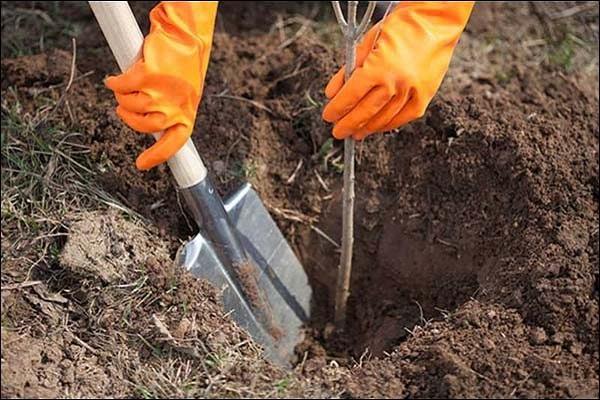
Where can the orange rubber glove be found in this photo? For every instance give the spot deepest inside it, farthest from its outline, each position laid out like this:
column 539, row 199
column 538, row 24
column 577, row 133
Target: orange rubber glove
column 400, row 64
column 162, row 90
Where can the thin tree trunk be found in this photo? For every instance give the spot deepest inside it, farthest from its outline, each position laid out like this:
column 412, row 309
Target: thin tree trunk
column 352, row 33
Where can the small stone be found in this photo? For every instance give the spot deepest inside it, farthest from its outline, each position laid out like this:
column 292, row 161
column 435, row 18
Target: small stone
column 576, row 349
column 522, row 374
column 372, row 205
column 518, row 331
column 73, row 351
column 116, row 249
column 182, row 329
column 261, row 169
column 451, row 380
column 488, row 344
column 474, row 320
column 537, row 336
column 328, row 331
column 557, row 338
column 491, row 314
column 219, row 167
column 68, row 375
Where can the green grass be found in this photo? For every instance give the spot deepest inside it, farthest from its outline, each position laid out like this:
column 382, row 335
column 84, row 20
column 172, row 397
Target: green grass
column 504, row 76
column 569, row 51
column 282, row 384
column 213, row 360
column 562, row 54
column 144, row 392
column 326, row 147
column 245, row 170
column 46, row 174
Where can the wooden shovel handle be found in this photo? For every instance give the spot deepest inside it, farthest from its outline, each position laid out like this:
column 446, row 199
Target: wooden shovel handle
column 125, row 39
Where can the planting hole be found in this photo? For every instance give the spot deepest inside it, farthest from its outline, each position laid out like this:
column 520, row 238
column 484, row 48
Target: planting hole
column 400, row 279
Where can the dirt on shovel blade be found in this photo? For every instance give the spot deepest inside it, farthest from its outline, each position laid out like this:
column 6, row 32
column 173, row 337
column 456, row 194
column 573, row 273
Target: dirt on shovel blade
column 476, row 255
column 248, row 279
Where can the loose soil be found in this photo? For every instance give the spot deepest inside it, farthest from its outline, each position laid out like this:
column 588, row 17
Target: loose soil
column 476, row 253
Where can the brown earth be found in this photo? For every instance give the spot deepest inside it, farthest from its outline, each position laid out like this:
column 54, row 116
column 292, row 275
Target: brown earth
column 476, row 253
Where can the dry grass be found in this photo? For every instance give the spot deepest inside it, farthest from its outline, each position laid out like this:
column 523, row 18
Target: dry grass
column 45, row 176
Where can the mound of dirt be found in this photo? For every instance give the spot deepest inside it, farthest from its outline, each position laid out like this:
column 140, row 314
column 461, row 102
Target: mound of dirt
column 101, row 246
column 128, row 321
column 51, row 368
column 481, row 351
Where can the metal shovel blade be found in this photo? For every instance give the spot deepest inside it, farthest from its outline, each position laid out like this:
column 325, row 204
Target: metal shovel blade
column 281, row 278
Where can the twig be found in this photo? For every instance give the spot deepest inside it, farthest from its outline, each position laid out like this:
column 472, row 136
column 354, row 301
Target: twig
column 337, row 10
column 147, row 343
column 480, row 375
column 73, row 61
column 325, row 236
column 34, row 12
column 519, row 385
column 362, row 357
column 51, row 87
column 254, row 103
column 362, row 27
column 296, row 71
column 298, row 33
column 230, row 149
column 446, row 243
column 423, row 320
column 321, row 181
column 21, row 285
column 569, row 12
column 301, row 365
column 69, row 83
column 293, row 175
column 84, row 344
column 352, row 33
column 292, row 215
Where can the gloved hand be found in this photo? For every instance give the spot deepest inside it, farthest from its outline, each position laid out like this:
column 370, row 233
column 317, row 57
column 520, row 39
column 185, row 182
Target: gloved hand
column 400, row 64
column 162, row 90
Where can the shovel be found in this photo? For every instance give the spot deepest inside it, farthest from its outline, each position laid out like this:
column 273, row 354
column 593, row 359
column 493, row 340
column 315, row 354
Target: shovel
column 239, row 249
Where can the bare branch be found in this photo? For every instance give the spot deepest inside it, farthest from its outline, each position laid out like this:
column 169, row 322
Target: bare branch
column 362, row 27
column 351, row 33
column 338, row 14
column 352, row 6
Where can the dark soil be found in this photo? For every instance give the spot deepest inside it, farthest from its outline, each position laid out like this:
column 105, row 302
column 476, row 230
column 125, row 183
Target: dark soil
column 476, row 252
